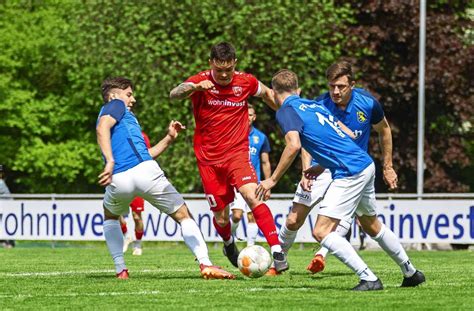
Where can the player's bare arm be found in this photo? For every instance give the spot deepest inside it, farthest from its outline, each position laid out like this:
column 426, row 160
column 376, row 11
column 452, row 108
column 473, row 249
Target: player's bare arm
column 346, row 130
column 306, row 183
column 103, row 139
column 293, row 146
column 266, row 94
column 185, row 89
column 385, row 139
column 173, row 130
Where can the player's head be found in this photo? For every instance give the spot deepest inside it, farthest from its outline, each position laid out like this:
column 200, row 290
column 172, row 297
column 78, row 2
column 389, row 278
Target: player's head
column 118, row 88
column 222, row 61
column 284, row 84
column 340, row 82
column 252, row 114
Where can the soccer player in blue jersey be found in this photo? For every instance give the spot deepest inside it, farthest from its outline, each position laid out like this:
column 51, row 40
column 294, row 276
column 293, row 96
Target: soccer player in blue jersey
column 359, row 111
column 259, row 149
column 310, row 125
column 130, row 171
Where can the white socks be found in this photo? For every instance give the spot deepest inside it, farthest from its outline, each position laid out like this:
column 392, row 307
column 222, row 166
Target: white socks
column 114, row 239
column 341, row 230
column 194, row 241
column 287, row 238
column 343, row 250
column 252, row 232
column 389, row 242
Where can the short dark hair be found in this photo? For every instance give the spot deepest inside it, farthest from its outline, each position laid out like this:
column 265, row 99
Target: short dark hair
column 285, row 81
column 223, row 52
column 339, row 69
column 250, row 106
column 114, row 83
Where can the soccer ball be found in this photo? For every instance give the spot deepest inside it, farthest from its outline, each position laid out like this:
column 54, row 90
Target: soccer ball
column 254, row 261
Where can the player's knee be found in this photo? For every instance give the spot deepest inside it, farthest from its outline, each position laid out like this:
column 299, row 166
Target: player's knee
column 222, row 221
column 319, row 234
column 370, row 225
column 181, row 214
column 236, row 215
column 137, row 217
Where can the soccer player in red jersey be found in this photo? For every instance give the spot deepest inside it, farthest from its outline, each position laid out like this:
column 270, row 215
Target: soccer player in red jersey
column 219, row 97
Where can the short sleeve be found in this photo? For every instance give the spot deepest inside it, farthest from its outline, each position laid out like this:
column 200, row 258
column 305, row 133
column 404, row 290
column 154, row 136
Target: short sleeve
column 254, row 85
column 377, row 112
column 289, row 120
column 115, row 109
column 195, row 79
column 266, row 145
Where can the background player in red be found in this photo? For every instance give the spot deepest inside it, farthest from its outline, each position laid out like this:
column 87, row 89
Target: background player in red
column 137, row 206
column 221, row 146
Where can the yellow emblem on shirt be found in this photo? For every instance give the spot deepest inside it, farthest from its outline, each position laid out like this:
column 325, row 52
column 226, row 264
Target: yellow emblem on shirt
column 361, row 117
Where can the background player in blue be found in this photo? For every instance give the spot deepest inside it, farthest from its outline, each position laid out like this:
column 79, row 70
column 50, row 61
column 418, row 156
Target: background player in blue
column 130, row 171
column 359, row 111
column 309, row 124
column 259, row 148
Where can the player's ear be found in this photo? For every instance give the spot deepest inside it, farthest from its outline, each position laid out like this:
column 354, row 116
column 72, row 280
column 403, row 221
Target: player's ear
column 298, row 91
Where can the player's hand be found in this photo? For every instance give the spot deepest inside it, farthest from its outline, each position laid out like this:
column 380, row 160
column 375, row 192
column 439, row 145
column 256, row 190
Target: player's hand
column 263, row 189
column 390, row 177
column 306, row 183
column 204, row 85
column 267, row 195
column 313, row 172
column 174, row 128
column 105, row 178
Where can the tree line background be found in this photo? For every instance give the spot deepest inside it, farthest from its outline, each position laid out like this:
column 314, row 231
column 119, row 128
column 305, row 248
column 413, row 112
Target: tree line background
column 55, row 54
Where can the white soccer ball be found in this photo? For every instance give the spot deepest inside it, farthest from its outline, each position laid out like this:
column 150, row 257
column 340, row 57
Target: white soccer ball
column 254, row 261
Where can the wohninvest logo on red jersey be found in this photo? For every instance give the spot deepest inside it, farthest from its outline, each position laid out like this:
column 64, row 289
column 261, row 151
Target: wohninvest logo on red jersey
column 228, row 103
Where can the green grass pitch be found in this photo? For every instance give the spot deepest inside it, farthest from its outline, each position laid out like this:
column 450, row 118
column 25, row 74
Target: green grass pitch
column 81, row 276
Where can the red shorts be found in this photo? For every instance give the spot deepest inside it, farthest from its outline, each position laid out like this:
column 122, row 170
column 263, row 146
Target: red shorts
column 219, row 180
column 138, row 205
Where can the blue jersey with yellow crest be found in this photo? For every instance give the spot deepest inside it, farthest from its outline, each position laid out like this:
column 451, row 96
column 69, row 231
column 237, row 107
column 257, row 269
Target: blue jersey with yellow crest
column 362, row 111
column 322, row 137
column 258, row 143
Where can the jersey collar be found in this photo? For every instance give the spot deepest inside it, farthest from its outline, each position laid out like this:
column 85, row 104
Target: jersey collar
column 348, row 107
column 289, row 99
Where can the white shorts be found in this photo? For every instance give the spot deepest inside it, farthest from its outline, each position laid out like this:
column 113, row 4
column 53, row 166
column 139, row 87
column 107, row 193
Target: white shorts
column 319, row 188
column 145, row 180
column 349, row 195
column 239, row 203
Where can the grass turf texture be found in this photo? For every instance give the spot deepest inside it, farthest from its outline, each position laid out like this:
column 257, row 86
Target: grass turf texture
column 81, row 276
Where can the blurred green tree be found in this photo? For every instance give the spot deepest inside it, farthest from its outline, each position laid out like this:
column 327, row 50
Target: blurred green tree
column 56, row 54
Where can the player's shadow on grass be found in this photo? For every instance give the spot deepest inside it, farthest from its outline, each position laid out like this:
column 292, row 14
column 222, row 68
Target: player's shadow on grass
column 320, row 275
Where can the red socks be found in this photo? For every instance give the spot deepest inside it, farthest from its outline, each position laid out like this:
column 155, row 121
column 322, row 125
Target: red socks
column 264, row 219
column 124, row 228
column 224, row 232
column 138, row 234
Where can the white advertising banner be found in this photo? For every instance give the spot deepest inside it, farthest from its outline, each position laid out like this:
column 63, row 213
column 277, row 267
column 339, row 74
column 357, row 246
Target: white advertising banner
column 413, row 221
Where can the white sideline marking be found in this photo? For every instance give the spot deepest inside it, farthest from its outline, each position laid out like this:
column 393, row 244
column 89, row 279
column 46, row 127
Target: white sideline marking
column 156, row 292
column 62, row 273
column 142, row 293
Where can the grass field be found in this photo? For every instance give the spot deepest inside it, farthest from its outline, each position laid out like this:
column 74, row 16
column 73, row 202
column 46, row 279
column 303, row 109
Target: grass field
column 81, row 276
